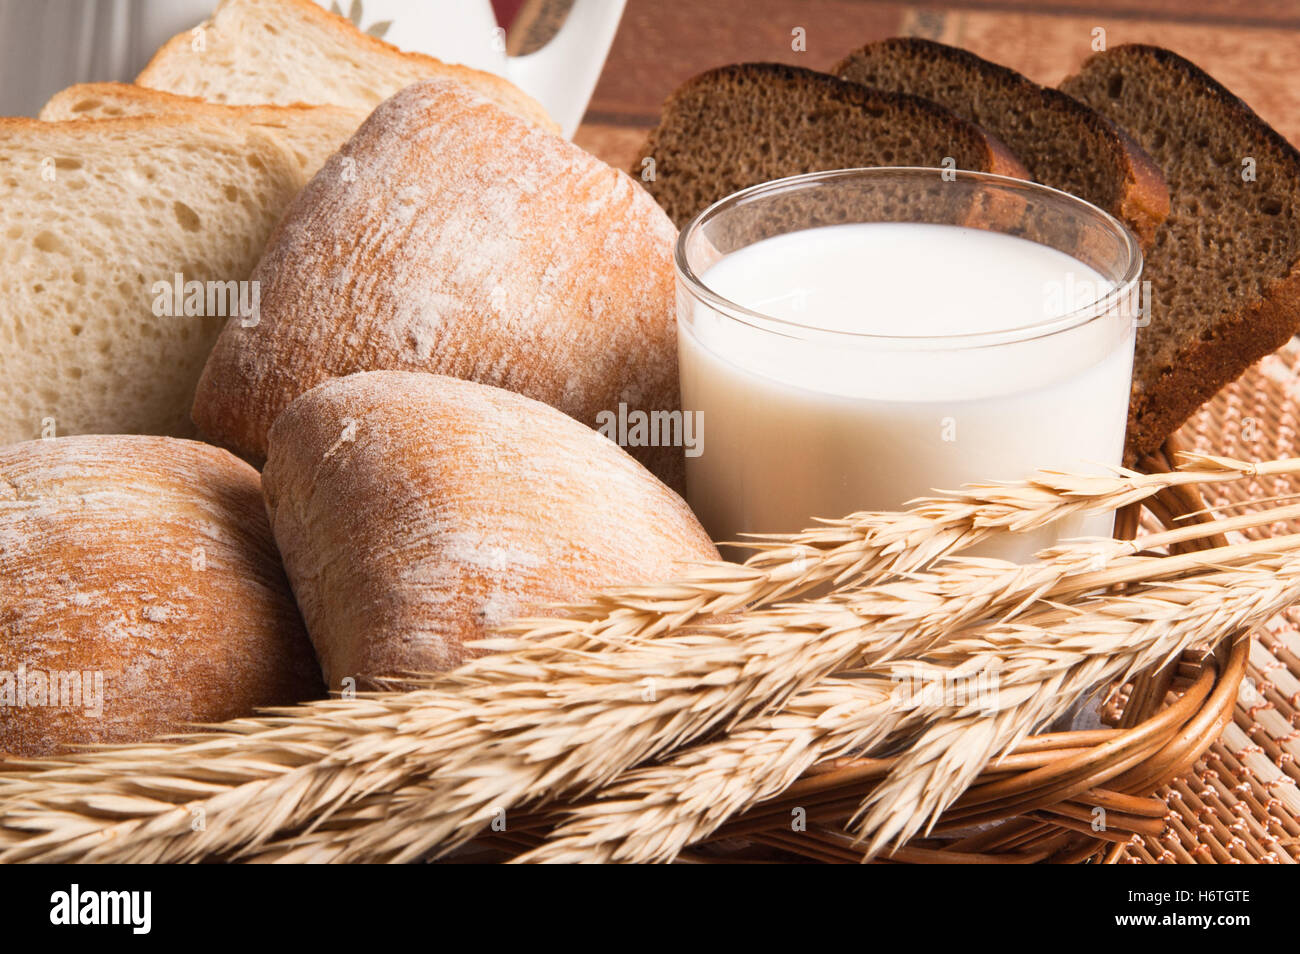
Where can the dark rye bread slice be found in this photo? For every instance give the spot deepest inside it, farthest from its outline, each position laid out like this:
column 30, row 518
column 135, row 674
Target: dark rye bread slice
column 1063, row 143
column 739, row 125
column 1225, row 267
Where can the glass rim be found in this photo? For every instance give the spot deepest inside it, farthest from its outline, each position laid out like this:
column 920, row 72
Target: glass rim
column 770, row 324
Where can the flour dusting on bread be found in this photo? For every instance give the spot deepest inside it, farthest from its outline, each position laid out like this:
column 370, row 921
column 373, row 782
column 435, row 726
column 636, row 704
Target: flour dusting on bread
column 148, row 563
column 513, row 259
column 455, row 507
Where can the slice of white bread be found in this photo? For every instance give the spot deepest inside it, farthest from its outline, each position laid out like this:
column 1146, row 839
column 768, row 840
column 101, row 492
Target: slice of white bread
column 415, row 512
column 469, row 243
column 314, row 133
column 98, row 215
column 293, row 51
column 140, row 585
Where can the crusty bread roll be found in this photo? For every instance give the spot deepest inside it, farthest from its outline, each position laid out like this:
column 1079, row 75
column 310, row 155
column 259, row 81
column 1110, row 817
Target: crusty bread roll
column 416, row 510
column 449, row 236
column 138, row 577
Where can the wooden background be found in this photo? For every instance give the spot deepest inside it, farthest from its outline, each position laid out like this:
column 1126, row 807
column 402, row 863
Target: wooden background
column 1251, row 46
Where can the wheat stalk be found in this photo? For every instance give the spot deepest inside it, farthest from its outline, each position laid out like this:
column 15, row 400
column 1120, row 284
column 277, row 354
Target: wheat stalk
column 1044, row 660
column 1045, row 668
column 902, row 615
column 861, row 626
column 652, row 813
column 869, row 546
column 565, row 714
column 794, row 644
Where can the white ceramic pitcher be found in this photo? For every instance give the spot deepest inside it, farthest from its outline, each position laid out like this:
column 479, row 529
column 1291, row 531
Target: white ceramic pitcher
column 46, row 45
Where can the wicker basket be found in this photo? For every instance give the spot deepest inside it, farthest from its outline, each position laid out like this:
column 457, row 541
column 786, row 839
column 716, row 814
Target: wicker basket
column 1169, row 787
column 1240, row 802
column 1037, row 805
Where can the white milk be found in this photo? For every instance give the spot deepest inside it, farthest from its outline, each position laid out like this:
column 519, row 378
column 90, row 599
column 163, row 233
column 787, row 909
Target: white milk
column 806, row 424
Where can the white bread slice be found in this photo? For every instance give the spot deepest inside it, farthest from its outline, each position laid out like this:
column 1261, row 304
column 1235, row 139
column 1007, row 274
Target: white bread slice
column 93, row 214
column 314, row 133
column 293, row 51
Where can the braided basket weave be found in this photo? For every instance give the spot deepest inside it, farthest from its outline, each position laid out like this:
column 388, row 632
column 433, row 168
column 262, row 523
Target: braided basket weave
column 1240, row 802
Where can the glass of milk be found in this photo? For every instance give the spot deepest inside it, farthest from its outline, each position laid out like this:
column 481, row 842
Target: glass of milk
column 852, row 340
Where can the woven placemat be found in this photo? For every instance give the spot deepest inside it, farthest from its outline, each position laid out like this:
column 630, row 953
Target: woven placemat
column 1240, row 804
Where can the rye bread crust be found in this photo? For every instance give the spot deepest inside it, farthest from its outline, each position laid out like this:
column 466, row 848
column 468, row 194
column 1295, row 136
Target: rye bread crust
column 974, row 148
column 1204, row 367
column 1165, row 397
column 1141, row 197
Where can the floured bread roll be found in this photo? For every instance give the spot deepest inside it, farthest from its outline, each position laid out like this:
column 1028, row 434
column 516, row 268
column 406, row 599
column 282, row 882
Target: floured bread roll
column 414, row 511
column 450, row 236
column 140, row 591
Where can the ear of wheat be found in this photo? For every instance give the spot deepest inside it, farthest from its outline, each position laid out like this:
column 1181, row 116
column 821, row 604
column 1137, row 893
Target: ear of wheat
column 1042, row 662
column 570, row 704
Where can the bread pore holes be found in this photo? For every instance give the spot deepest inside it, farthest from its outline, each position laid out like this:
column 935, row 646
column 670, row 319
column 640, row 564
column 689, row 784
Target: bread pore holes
column 46, row 241
column 186, row 217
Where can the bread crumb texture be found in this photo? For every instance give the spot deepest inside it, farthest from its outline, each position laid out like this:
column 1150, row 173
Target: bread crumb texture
column 294, row 51
column 93, row 215
column 1224, row 289
column 739, row 125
